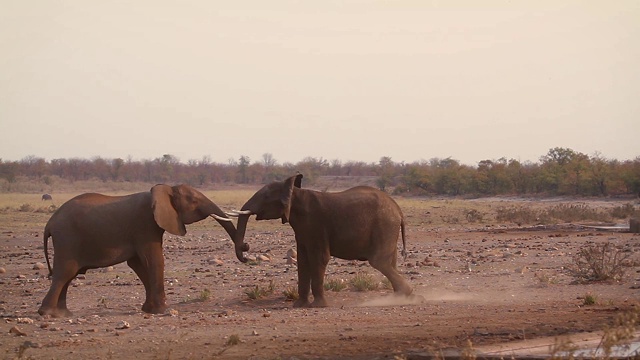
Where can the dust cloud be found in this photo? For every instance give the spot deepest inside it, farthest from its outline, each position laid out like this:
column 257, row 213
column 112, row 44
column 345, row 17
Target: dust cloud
column 416, row 299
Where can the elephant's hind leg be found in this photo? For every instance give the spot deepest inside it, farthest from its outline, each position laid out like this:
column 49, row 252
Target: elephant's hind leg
column 54, row 303
column 387, row 266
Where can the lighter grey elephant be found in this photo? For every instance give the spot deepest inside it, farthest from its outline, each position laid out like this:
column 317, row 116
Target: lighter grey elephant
column 361, row 223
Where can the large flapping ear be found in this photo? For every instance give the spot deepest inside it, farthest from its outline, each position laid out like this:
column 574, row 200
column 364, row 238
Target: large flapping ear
column 164, row 212
column 298, row 182
column 287, row 193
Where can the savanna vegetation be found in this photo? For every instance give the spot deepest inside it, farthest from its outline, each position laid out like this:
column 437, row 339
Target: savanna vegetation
column 561, row 171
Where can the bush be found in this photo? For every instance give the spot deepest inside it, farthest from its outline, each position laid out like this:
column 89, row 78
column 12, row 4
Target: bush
column 334, row 284
column 576, row 212
column 364, row 282
column 258, row 292
column 600, row 263
column 623, row 211
column 26, row 208
column 290, row 293
column 516, row 214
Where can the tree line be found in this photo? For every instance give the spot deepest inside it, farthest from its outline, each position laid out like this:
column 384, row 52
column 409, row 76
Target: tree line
column 562, row 171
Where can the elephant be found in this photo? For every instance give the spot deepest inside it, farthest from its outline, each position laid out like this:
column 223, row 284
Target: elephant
column 93, row 230
column 361, row 223
column 46, row 197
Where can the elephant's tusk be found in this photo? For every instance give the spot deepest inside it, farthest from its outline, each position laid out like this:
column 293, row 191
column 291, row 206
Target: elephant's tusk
column 219, row 217
column 236, row 213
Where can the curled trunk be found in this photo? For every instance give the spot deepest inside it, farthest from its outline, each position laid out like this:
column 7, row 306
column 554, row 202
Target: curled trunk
column 238, row 240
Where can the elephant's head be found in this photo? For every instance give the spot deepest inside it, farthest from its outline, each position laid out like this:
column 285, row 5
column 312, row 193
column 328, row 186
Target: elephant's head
column 273, row 201
column 176, row 206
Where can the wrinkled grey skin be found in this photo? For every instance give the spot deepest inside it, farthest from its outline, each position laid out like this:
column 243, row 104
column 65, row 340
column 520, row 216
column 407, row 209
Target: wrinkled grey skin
column 93, row 231
column 361, row 223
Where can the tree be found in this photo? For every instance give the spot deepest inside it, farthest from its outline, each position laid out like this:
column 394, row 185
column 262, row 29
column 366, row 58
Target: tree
column 385, row 172
column 243, row 166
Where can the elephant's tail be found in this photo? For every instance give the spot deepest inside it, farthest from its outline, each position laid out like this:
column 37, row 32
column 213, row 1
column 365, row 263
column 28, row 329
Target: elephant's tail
column 47, row 234
column 404, row 240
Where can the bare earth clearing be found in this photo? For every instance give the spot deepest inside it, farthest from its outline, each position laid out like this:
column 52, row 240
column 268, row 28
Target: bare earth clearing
column 483, row 284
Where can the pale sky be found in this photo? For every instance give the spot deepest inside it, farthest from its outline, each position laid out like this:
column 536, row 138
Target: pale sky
column 353, row 80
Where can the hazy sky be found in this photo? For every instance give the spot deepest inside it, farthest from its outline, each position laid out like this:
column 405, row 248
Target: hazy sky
column 344, row 79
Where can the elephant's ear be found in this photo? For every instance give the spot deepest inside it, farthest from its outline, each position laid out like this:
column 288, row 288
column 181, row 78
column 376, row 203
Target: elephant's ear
column 164, row 213
column 287, row 193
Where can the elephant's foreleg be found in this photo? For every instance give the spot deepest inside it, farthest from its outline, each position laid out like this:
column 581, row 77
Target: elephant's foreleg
column 141, row 271
column 151, row 262
column 318, row 266
column 304, row 278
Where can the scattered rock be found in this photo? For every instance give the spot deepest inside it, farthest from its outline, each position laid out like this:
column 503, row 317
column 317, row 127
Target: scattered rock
column 38, row 266
column 173, row 312
column 215, row 261
column 123, row 325
column 292, row 253
column 17, row 332
column 29, row 344
column 2, row 270
column 25, row 321
column 263, row 258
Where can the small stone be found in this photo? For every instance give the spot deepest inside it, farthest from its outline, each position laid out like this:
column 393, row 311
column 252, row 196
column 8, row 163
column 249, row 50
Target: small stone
column 123, row 325
column 173, row 312
column 215, row 261
column 38, row 266
column 254, row 333
column 108, row 269
column 17, row 332
column 291, row 261
column 291, row 253
column 263, row 258
column 30, row 344
column 25, row 321
column 2, row 270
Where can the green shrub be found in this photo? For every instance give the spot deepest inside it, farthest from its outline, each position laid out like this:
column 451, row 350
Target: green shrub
column 26, row 208
column 334, row 284
column 364, row 282
column 590, row 299
column 291, row 293
column 258, row 292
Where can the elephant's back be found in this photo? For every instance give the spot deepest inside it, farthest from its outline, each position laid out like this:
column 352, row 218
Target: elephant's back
column 89, row 207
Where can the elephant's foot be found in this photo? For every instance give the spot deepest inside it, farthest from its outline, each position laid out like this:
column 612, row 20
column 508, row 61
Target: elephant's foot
column 301, row 303
column 54, row 312
column 154, row 308
column 417, row 299
column 319, row 302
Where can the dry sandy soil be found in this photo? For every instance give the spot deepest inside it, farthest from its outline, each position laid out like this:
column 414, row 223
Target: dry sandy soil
column 481, row 285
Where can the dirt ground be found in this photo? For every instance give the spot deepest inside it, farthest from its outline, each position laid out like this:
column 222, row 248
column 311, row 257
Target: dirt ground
column 481, row 285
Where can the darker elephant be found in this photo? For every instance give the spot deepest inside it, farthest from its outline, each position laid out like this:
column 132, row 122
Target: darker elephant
column 93, row 230
column 361, row 223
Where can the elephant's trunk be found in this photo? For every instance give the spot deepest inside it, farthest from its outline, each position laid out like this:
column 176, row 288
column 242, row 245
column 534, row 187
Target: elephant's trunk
column 240, row 245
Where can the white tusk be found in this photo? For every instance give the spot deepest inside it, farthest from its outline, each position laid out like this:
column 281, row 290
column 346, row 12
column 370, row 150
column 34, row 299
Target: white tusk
column 219, row 217
column 236, row 213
